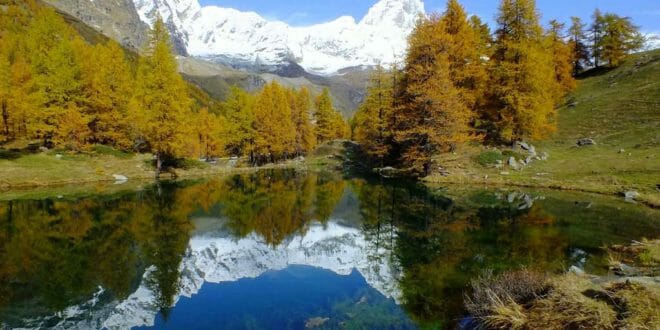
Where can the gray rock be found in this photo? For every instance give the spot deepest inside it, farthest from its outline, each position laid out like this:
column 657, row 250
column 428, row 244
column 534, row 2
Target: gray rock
column 532, row 150
column 585, row 142
column 527, row 203
column 622, row 151
column 528, row 160
column 43, row 149
column 513, row 163
column 576, row 270
column 119, row 179
column 544, row 156
column 630, row 195
column 511, row 197
column 58, row 156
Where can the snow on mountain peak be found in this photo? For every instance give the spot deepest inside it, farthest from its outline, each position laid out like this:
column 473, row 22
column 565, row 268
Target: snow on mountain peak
column 244, row 38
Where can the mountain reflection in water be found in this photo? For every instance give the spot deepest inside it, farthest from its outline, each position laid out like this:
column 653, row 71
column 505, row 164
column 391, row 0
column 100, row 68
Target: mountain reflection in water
column 192, row 254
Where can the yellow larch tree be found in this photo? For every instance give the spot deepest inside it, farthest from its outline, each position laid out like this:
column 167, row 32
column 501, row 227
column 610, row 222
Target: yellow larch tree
column 372, row 120
column 562, row 59
column 275, row 135
column 329, row 123
column 211, row 130
column 160, row 103
column 238, row 109
column 301, row 105
column 521, row 73
column 432, row 116
column 107, row 86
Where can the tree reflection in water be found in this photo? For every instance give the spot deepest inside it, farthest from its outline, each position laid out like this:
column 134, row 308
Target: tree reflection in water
column 55, row 253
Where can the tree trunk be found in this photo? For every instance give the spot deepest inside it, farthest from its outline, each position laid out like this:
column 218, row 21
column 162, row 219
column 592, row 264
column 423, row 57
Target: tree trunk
column 159, row 165
column 5, row 118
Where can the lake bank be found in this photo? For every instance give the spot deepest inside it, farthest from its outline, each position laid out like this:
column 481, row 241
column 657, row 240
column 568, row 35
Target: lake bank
column 47, row 174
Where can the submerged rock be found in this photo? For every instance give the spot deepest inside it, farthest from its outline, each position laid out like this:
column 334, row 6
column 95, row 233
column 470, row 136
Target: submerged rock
column 316, row 322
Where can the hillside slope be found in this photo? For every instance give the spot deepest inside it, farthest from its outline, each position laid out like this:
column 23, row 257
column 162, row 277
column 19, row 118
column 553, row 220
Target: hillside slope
column 619, row 109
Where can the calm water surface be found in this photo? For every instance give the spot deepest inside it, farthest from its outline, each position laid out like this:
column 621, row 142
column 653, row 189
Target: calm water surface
column 280, row 250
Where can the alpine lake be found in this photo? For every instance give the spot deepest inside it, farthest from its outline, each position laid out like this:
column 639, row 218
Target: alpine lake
column 289, row 250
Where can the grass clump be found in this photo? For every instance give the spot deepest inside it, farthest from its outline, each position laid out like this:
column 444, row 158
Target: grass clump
column 489, row 158
column 642, row 258
column 640, row 304
column 100, row 149
column 528, row 300
column 499, row 301
column 567, row 306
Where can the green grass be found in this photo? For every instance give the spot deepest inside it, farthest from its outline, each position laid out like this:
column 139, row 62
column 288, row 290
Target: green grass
column 619, row 109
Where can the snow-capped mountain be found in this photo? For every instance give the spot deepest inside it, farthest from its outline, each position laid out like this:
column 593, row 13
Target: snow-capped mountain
column 217, row 256
column 246, row 38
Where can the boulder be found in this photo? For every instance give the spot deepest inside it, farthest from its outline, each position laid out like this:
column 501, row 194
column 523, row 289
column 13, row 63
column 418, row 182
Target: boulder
column 532, row 150
column 585, row 142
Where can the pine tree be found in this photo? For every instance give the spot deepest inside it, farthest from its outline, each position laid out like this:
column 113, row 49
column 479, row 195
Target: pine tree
column 57, row 73
column 467, row 70
column 211, row 131
column 372, row 130
column 275, row 135
column 107, row 85
column 562, row 60
column 521, row 72
column 619, row 38
column 23, row 101
column 329, row 123
column 5, row 89
column 238, row 109
column 581, row 57
column 596, row 29
column 433, row 115
column 483, row 36
column 161, row 102
column 324, row 114
column 301, row 105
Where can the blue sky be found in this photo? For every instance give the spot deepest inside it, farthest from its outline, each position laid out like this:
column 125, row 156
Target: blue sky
column 645, row 13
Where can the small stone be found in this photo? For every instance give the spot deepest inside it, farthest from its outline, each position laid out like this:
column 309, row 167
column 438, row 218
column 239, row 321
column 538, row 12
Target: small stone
column 585, row 142
column 576, row 270
column 504, row 173
column 630, row 195
column 58, row 156
column 512, row 197
column 622, row 151
column 532, row 150
column 513, row 163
